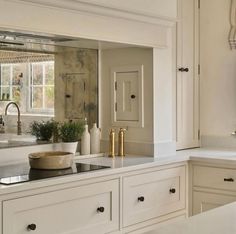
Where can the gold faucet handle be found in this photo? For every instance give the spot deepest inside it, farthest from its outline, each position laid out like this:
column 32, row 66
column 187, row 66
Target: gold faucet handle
column 123, row 130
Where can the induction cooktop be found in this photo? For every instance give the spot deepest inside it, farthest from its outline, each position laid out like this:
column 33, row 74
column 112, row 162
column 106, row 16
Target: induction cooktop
column 23, row 173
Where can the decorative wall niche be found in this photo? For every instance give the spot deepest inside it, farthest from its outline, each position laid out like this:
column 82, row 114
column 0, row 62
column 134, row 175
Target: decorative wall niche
column 127, row 96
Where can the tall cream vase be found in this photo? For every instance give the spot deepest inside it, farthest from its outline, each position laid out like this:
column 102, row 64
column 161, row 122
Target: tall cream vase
column 85, row 142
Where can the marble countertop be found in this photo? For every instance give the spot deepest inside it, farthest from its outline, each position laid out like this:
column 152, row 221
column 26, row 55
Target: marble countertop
column 218, row 221
column 122, row 165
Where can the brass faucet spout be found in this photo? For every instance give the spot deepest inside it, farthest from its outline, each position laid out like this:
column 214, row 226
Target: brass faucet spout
column 19, row 131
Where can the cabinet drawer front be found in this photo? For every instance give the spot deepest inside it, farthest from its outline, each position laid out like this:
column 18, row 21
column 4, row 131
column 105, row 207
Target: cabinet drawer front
column 71, row 211
column 150, row 195
column 218, row 178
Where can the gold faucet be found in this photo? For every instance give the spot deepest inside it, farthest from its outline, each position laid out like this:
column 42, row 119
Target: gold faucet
column 121, row 142
column 19, row 132
column 112, row 143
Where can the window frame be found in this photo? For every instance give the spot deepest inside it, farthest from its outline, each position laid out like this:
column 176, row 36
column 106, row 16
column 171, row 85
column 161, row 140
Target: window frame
column 27, row 97
column 43, row 110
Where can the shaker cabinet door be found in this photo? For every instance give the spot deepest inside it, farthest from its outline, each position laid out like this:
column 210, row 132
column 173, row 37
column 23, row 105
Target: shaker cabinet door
column 86, row 209
column 150, row 195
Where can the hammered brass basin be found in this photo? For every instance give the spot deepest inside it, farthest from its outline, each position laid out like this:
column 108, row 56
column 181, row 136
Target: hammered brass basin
column 50, row 160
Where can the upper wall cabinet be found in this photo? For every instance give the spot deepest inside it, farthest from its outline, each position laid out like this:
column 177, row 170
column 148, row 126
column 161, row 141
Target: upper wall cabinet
column 167, row 8
column 188, row 75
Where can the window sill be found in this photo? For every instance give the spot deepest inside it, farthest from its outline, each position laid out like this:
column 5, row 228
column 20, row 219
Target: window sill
column 33, row 114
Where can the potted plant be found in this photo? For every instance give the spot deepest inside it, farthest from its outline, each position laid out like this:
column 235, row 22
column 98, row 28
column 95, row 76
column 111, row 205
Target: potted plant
column 70, row 132
column 43, row 130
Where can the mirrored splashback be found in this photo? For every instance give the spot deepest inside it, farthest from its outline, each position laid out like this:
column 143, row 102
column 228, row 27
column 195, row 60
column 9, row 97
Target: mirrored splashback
column 49, row 76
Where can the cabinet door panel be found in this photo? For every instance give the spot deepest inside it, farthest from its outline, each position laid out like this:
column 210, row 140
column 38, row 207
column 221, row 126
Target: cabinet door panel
column 187, row 81
column 203, row 201
column 66, row 211
column 212, row 177
column 148, row 195
column 127, row 87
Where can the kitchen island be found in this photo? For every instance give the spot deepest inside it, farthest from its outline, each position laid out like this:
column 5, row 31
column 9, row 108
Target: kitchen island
column 218, row 221
column 135, row 194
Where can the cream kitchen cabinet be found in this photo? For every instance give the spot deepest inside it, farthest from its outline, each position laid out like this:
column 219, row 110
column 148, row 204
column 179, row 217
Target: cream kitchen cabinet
column 150, row 195
column 187, row 83
column 153, row 197
column 87, row 209
column 204, row 201
column 213, row 185
column 129, row 202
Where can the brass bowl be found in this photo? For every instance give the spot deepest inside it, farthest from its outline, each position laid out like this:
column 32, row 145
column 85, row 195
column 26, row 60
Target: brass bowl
column 51, row 160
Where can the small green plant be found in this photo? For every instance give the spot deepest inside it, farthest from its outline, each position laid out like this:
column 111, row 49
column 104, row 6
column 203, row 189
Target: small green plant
column 71, row 131
column 43, row 130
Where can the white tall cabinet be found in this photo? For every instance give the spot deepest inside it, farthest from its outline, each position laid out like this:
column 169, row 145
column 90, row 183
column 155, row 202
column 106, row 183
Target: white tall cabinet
column 187, row 85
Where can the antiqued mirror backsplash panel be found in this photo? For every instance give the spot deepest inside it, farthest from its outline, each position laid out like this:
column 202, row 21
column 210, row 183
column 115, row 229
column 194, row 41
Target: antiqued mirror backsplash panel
column 59, row 82
column 76, row 71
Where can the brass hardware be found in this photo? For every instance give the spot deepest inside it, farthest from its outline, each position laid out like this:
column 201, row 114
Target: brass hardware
column 121, row 142
column 19, row 132
column 112, row 143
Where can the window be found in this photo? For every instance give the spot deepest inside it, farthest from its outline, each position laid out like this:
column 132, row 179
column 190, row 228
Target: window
column 30, row 85
column 42, row 86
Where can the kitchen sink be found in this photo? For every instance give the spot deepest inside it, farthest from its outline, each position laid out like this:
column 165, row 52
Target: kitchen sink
column 13, row 138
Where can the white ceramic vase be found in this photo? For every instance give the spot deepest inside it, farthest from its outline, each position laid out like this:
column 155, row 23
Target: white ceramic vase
column 85, row 142
column 69, row 147
column 95, row 139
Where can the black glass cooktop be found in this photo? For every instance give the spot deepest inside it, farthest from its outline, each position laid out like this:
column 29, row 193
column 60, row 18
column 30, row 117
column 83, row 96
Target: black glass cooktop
column 22, row 173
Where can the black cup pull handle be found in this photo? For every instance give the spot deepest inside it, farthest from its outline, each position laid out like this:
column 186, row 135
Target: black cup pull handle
column 141, row 199
column 182, row 69
column 100, row 209
column 31, row 227
column 172, row 190
column 229, row 179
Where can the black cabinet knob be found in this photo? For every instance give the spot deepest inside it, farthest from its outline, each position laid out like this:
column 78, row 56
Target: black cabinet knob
column 141, row 199
column 100, row 209
column 133, row 96
column 229, row 179
column 31, row 227
column 172, row 190
column 182, row 69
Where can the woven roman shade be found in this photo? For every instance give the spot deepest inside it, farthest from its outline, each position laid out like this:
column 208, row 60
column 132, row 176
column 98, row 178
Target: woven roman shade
column 23, row 57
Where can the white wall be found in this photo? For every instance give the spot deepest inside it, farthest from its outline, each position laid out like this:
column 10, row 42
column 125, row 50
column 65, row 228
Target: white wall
column 140, row 139
column 218, row 71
